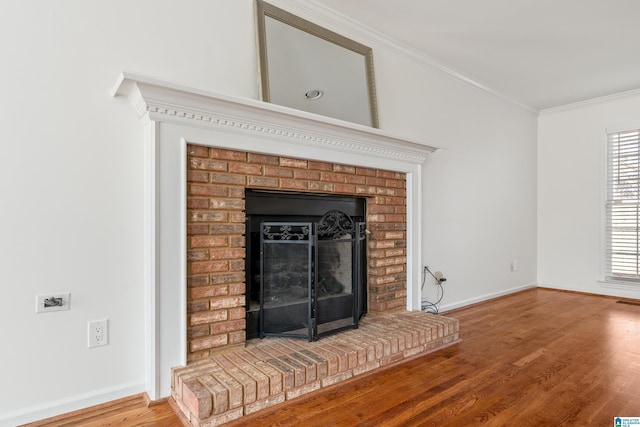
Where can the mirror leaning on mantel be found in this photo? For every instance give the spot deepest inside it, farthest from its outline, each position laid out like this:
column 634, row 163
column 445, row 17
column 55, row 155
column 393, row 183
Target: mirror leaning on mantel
column 310, row 68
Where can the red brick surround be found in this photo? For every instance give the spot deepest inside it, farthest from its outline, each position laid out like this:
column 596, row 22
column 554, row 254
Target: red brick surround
column 216, row 182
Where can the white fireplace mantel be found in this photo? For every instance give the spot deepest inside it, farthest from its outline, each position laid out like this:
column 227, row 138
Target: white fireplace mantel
column 173, row 116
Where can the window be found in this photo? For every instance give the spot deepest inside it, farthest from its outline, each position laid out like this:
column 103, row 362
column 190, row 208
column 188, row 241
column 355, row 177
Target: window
column 623, row 205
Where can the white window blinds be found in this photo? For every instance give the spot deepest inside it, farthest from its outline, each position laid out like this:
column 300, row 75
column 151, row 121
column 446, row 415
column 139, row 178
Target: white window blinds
column 623, row 205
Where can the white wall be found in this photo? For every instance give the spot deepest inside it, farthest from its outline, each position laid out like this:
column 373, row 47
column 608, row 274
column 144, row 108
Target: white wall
column 71, row 179
column 571, row 178
column 480, row 206
column 72, row 187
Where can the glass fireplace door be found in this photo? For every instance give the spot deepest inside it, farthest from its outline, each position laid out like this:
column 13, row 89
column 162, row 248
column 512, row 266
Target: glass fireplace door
column 311, row 276
column 286, row 279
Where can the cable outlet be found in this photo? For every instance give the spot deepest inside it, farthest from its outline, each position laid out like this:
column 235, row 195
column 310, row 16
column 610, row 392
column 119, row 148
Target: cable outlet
column 53, row 302
column 98, row 333
column 513, row 266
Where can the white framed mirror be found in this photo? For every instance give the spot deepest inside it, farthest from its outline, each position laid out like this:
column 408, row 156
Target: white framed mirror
column 310, row 68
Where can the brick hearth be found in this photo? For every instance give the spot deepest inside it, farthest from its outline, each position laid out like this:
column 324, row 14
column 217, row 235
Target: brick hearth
column 241, row 381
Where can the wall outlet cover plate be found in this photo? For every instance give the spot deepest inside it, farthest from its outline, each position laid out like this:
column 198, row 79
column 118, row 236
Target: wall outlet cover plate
column 98, row 331
column 53, row 302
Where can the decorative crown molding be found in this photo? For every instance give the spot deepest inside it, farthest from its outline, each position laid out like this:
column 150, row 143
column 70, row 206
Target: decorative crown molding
column 592, row 101
column 167, row 102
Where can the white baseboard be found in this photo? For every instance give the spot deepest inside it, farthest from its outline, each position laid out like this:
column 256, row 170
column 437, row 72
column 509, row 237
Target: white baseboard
column 73, row 403
column 612, row 288
column 485, row 297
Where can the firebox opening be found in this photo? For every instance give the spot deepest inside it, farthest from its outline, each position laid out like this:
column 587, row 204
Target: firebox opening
column 305, row 263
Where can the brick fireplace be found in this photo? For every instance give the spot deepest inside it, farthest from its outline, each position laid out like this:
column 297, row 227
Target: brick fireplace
column 216, row 183
column 193, row 291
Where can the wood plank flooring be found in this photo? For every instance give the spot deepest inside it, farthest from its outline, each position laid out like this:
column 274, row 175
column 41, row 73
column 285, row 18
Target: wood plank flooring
column 536, row 358
column 127, row 412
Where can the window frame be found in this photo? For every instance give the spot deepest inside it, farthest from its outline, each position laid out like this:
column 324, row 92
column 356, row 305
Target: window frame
column 612, row 278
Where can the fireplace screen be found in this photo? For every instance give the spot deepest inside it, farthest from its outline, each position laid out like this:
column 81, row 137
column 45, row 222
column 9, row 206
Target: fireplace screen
column 311, row 276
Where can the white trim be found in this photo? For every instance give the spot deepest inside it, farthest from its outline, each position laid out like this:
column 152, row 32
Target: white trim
column 616, row 289
column 620, row 284
column 592, row 101
column 165, row 255
column 174, row 115
column 607, row 179
column 485, row 297
column 73, row 403
column 603, row 176
column 183, row 249
column 602, row 196
column 414, row 231
column 150, row 257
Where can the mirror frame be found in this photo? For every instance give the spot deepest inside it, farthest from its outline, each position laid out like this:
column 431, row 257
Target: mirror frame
column 264, row 9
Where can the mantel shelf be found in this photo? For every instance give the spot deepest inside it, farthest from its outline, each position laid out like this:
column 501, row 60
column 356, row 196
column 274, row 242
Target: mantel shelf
column 168, row 102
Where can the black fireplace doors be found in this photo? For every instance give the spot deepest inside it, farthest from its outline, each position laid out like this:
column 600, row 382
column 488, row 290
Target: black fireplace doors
column 310, row 276
column 306, row 274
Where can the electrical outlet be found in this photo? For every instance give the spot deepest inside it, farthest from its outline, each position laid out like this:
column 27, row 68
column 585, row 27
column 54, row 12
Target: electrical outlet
column 98, row 333
column 53, row 302
column 513, row 266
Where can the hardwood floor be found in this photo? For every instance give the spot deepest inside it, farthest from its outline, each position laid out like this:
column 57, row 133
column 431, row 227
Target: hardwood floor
column 537, row 358
column 127, row 412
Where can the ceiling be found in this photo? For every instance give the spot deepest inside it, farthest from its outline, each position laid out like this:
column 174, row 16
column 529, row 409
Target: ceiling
column 537, row 53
